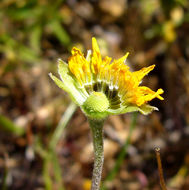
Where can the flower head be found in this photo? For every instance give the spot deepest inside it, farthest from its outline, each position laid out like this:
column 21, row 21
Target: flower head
column 103, row 87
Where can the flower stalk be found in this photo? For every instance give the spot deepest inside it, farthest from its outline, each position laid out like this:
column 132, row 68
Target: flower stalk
column 103, row 87
column 97, row 135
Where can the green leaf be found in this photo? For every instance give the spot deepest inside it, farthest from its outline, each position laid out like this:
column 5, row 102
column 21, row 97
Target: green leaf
column 68, row 83
column 35, row 38
column 26, row 54
column 9, row 126
column 60, row 32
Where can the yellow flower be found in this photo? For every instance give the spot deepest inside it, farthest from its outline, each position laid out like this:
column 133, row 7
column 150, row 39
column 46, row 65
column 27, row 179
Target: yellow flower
column 93, row 80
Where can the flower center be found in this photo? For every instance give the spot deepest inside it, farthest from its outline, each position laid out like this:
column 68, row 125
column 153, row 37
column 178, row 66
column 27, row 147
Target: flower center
column 111, row 93
column 96, row 105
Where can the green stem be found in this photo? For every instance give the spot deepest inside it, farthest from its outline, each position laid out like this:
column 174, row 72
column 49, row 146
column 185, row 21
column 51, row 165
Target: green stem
column 97, row 134
column 4, row 180
column 46, row 177
column 61, row 125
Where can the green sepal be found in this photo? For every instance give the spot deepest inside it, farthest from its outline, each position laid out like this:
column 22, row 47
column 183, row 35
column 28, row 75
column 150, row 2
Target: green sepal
column 144, row 109
column 58, row 82
column 76, row 90
column 147, row 109
column 61, row 85
column 68, row 84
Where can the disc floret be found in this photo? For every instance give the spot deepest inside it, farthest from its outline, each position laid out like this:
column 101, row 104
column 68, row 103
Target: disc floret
column 96, row 105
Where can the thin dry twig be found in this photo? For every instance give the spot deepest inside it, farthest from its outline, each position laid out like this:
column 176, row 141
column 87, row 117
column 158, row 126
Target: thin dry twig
column 160, row 169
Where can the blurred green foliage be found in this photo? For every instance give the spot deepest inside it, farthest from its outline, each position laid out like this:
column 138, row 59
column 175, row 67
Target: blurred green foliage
column 170, row 14
column 9, row 126
column 23, row 25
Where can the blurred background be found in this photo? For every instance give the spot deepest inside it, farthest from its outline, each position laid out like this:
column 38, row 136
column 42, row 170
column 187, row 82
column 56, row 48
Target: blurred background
column 35, row 152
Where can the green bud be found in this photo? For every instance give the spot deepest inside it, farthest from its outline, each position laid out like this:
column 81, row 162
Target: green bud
column 96, row 105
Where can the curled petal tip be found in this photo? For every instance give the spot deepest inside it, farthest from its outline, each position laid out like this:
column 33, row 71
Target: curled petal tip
column 151, row 67
column 160, row 91
column 125, row 57
column 95, row 45
column 156, row 109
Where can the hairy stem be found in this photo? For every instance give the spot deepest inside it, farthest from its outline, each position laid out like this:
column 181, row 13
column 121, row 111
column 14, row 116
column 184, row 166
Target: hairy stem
column 97, row 134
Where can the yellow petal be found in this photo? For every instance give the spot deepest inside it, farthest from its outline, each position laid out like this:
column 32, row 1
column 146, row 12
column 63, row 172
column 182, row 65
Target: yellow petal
column 145, row 95
column 96, row 57
column 79, row 66
column 123, row 59
column 143, row 72
column 95, row 46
